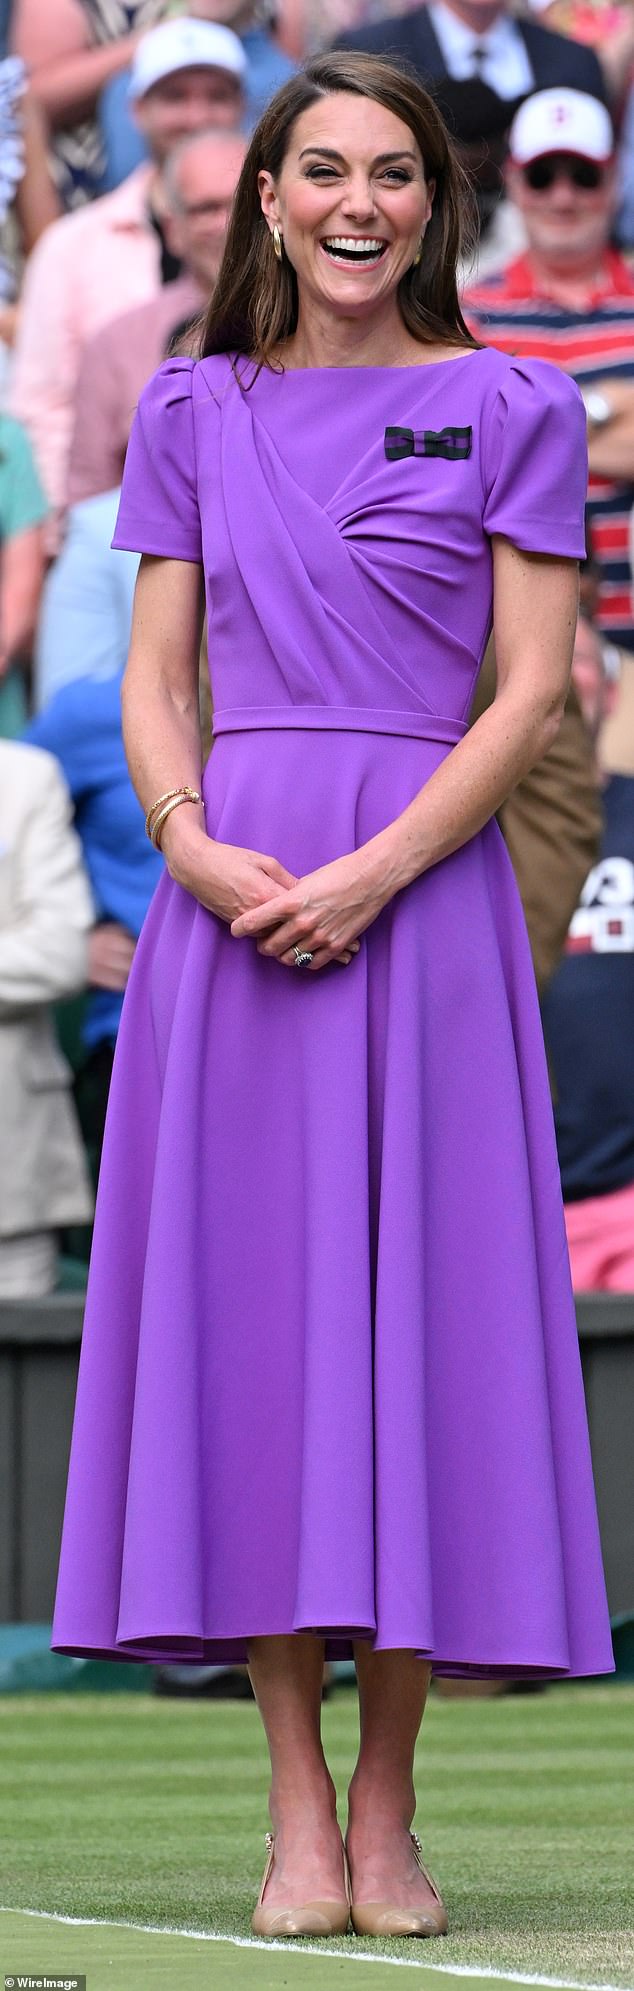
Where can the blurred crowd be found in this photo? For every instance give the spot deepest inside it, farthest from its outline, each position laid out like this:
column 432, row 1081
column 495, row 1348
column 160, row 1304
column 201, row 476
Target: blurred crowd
column 122, row 132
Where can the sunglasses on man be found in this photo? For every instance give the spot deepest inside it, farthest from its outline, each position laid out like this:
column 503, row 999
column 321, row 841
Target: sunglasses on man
column 540, row 174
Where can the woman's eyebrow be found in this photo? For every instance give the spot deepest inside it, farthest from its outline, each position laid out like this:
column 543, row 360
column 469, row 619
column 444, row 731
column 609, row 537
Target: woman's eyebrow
column 382, row 158
column 326, row 149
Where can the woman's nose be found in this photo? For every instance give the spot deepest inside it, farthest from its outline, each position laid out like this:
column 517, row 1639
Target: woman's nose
column 359, row 199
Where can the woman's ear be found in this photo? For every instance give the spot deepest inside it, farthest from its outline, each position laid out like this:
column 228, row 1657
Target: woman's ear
column 268, row 197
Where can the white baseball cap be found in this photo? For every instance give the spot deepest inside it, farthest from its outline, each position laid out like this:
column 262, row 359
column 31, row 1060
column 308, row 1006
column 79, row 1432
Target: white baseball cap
column 184, row 44
column 561, row 121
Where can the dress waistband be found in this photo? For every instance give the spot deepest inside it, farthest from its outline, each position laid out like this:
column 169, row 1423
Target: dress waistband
column 338, row 718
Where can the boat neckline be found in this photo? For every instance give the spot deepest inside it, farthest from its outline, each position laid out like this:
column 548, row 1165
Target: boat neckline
column 415, row 366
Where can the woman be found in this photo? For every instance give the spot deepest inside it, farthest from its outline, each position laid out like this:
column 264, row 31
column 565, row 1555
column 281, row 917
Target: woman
column 330, row 1397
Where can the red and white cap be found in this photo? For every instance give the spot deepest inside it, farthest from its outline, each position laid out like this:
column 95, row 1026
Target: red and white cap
column 561, row 121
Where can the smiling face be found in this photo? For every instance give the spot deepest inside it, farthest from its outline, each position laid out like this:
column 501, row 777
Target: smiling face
column 187, row 101
column 351, row 202
column 565, row 224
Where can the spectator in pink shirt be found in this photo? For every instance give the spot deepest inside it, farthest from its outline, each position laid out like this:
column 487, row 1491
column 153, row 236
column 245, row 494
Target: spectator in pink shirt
column 96, row 263
column 199, row 183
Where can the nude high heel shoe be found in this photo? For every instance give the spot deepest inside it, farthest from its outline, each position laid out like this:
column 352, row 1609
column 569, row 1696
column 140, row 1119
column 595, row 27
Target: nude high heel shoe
column 309, row 1918
column 381, row 1918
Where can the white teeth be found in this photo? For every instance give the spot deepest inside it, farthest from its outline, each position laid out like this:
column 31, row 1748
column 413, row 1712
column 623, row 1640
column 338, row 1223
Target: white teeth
column 365, row 242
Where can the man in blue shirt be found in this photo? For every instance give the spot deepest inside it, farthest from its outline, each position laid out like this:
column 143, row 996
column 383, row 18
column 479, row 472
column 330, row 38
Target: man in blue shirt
column 86, row 607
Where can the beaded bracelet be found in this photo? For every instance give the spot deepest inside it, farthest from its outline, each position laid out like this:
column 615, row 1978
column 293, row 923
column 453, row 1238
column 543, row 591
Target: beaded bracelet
column 162, row 808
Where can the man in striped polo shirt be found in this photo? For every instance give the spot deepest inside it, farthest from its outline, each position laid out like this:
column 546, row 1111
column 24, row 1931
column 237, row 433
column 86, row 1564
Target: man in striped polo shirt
column 569, row 298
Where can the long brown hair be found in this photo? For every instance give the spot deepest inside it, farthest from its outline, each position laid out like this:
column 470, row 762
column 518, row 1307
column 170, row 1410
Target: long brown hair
column 254, row 306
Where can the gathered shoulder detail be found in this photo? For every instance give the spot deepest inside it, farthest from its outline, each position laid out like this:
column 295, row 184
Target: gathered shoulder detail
column 158, row 512
column 213, row 376
column 535, row 459
column 543, row 377
column 172, row 381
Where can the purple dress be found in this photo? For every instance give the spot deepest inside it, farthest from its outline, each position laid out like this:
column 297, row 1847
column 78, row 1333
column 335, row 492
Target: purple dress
column 329, row 1378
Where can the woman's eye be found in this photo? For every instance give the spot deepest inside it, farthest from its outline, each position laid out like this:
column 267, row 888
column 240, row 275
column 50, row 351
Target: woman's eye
column 397, row 173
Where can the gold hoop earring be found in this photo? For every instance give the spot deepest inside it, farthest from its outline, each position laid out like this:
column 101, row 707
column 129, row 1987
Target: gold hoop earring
column 277, row 243
column 419, row 252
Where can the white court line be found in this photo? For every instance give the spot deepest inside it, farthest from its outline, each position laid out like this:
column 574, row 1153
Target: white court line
column 481, row 1971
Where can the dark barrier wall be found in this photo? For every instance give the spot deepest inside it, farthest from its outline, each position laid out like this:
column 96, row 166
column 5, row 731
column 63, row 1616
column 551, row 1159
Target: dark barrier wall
column 39, row 1351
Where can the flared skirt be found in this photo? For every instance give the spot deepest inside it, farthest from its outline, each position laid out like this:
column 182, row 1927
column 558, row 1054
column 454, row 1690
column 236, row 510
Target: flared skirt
column 329, row 1376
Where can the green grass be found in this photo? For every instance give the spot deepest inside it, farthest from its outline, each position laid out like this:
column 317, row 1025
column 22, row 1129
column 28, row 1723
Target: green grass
column 152, row 1811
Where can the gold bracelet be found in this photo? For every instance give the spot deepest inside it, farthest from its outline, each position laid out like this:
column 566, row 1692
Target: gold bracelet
column 191, row 795
column 183, row 794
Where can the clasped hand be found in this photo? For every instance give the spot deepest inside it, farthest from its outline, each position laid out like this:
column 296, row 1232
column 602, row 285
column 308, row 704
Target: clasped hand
column 323, row 914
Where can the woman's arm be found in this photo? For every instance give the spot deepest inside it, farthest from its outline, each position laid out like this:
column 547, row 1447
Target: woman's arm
column 535, row 615
column 551, row 823
column 536, row 601
column 159, row 692
column 66, row 71
column 161, row 731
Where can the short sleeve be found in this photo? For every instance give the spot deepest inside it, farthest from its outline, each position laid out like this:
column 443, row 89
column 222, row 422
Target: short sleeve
column 536, row 461
column 158, row 511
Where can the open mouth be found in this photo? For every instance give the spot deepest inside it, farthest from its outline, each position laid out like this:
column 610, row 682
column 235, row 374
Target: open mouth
column 354, row 251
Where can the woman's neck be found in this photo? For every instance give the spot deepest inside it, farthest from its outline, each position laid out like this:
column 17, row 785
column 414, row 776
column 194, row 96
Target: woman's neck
column 323, row 340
